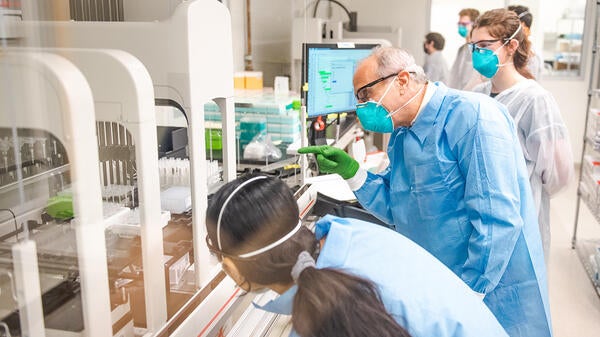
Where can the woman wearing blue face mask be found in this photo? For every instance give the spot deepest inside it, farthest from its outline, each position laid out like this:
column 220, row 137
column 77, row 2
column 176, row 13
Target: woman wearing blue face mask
column 500, row 52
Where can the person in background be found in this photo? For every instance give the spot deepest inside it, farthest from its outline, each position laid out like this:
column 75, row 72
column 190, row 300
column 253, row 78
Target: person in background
column 350, row 278
column 535, row 63
column 435, row 66
column 500, row 52
column 462, row 75
column 457, row 185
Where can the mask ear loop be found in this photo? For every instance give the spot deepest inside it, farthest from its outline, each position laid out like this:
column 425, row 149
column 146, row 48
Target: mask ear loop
column 505, row 43
column 389, row 86
column 407, row 103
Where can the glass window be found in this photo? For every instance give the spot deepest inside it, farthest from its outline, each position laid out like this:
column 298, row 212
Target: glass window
column 562, row 27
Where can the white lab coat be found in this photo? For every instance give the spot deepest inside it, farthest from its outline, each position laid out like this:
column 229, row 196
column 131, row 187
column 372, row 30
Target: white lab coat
column 436, row 67
column 545, row 142
column 462, row 75
column 535, row 65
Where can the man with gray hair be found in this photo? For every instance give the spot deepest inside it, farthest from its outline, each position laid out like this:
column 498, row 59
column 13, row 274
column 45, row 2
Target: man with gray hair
column 456, row 184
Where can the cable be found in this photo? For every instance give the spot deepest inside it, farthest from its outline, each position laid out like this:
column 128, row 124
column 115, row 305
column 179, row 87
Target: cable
column 307, row 5
column 352, row 16
column 335, row 2
column 15, row 219
column 6, row 329
column 316, row 7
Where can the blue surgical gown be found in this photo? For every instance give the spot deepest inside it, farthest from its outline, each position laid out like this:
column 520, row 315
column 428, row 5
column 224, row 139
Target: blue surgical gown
column 424, row 296
column 545, row 143
column 457, row 185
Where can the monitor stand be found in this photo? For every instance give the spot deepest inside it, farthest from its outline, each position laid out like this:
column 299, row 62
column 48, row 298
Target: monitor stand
column 316, row 132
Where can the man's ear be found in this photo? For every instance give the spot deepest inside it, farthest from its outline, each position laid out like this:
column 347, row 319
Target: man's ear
column 403, row 78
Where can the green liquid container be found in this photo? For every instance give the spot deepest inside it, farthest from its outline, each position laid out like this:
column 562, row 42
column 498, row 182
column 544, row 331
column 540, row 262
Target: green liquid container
column 249, row 128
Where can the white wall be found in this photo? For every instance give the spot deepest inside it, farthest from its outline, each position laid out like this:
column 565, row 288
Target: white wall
column 571, row 93
column 237, row 10
column 271, row 35
column 271, row 27
column 444, row 19
column 143, row 10
column 411, row 16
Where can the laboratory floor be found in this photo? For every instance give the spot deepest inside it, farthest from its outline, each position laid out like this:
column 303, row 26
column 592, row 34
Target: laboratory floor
column 574, row 304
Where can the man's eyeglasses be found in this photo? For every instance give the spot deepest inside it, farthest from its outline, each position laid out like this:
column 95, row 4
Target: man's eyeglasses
column 464, row 23
column 362, row 94
column 476, row 47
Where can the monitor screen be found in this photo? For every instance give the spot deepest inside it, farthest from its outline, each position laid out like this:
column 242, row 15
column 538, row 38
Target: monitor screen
column 328, row 70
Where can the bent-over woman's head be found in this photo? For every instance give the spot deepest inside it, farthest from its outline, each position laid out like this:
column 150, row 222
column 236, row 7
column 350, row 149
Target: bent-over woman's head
column 253, row 227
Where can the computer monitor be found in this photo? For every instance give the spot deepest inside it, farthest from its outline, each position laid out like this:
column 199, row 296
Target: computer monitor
column 328, row 70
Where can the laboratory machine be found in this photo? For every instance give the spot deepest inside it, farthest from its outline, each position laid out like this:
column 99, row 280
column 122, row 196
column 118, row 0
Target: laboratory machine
column 105, row 175
column 53, row 256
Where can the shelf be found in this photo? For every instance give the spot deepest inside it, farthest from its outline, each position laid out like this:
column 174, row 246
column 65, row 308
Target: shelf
column 266, row 167
column 35, row 178
column 584, row 249
column 590, row 208
column 590, row 143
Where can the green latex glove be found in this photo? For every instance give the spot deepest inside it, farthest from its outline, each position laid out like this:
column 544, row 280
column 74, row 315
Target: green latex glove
column 60, row 207
column 333, row 160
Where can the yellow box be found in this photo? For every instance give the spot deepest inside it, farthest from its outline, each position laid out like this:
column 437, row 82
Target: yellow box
column 254, row 79
column 239, row 80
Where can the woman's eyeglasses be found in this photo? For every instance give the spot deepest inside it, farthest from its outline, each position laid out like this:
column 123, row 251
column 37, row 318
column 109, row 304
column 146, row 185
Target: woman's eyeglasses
column 219, row 254
column 476, row 47
column 213, row 251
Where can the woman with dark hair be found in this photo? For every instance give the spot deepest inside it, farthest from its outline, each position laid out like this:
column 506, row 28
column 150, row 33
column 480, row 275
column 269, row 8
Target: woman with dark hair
column 535, row 63
column 350, row 278
column 500, row 52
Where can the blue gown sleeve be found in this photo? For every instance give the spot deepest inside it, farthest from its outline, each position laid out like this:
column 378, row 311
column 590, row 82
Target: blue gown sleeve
column 488, row 159
column 323, row 225
column 374, row 195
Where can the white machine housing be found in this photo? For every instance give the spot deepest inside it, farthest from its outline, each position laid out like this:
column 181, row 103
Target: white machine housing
column 51, row 94
column 181, row 54
column 123, row 93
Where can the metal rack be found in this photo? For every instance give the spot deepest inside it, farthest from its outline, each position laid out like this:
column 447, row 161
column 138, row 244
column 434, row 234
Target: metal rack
column 586, row 248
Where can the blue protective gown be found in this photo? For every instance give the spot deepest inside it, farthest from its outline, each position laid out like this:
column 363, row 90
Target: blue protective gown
column 424, row 296
column 457, row 185
column 545, row 143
